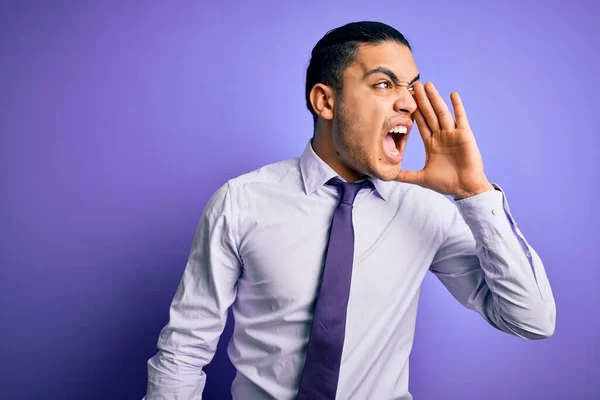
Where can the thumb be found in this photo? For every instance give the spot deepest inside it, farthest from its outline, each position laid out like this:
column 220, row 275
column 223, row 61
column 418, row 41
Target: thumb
column 415, row 177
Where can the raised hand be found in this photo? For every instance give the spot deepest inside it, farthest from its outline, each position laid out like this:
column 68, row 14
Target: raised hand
column 453, row 163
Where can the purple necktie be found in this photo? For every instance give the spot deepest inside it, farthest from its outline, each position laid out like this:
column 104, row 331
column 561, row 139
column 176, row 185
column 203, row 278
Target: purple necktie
column 324, row 353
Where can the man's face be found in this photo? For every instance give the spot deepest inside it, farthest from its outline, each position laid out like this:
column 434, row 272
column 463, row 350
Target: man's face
column 371, row 104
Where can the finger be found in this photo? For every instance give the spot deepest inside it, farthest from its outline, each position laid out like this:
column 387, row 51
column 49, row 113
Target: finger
column 414, row 177
column 440, row 107
column 462, row 121
column 424, row 130
column 426, row 108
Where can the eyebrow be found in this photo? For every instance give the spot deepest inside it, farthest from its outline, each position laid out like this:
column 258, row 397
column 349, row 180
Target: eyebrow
column 390, row 74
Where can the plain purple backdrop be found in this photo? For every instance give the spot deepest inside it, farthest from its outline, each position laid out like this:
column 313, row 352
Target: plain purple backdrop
column 119, row 120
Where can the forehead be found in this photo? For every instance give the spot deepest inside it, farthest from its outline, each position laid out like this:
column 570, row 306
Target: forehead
column 395, row 56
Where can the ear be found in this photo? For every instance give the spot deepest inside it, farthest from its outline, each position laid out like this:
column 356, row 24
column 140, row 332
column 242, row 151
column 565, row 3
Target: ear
column 322, row 99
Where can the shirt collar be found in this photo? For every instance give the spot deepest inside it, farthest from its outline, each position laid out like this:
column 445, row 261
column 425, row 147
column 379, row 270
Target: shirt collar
column 316, row 172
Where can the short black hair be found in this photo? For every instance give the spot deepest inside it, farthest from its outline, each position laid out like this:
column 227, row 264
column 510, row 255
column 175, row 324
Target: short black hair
column 337, row 50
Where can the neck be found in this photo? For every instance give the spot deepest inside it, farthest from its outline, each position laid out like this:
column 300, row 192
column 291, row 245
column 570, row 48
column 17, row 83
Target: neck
column 322, row 144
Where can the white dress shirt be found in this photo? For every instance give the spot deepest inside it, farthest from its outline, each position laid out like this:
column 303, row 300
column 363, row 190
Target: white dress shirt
column 260, row 247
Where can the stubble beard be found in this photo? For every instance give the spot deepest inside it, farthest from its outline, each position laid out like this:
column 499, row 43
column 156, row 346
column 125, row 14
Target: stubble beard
column 350, row 149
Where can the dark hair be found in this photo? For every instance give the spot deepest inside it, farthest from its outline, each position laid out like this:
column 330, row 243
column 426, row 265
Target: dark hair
column 337, row 50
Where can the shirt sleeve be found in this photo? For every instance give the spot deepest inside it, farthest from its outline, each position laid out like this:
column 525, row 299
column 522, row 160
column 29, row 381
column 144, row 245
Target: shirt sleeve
column 198, row 312
column 488, row 266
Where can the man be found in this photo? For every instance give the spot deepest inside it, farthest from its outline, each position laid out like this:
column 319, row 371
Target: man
column 322, row 256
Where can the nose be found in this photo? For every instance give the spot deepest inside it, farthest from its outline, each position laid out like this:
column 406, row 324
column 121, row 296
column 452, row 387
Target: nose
column 405, row 102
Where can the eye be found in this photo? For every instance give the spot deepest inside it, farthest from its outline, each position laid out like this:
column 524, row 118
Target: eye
column 383, row 85
column 411, row 89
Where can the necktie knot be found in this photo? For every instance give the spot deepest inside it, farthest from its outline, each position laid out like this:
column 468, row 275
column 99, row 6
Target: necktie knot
column 349, row 190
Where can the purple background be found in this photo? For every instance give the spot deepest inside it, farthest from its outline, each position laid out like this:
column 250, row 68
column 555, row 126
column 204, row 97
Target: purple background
column 118, row 121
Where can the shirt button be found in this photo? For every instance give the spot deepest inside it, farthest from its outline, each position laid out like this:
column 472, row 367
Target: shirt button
column 495, row 211
column 528, row 254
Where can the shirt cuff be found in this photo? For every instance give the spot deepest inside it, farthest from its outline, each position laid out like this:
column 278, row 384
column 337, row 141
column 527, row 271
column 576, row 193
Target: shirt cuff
column 487, row 214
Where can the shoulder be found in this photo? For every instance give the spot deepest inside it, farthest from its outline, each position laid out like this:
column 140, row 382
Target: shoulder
column 267, row 174
column 421, row 195
column 424, row 203
column 242, row 186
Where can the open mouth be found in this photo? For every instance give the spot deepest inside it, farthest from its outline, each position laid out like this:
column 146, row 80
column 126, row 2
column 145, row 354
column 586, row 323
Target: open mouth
column 394, row 142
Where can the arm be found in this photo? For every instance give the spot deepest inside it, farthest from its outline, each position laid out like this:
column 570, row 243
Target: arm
column 488, row 266
column 198, row 311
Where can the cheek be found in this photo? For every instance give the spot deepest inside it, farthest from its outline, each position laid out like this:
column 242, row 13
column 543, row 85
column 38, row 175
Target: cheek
column 365, row 117
column 379, row 114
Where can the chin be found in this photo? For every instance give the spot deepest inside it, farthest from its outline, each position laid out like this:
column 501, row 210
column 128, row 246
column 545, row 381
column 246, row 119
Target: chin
column 385, row 170
column 379, row 166
column 386, row 174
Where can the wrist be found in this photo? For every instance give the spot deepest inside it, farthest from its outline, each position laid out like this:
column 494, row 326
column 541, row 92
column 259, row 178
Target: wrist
column 463, row 194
